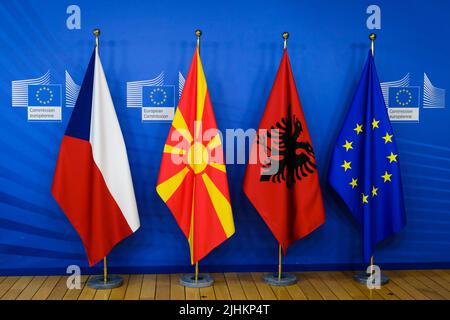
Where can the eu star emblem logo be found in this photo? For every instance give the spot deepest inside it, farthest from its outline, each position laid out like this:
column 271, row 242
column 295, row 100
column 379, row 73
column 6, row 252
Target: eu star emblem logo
column 404, row 97
column 158, row 96
column 48, row 95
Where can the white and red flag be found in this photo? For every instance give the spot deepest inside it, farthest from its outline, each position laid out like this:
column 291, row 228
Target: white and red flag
column 92, row 182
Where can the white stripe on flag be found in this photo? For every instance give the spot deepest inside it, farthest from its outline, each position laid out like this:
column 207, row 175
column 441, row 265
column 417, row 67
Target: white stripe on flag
column 108, row 147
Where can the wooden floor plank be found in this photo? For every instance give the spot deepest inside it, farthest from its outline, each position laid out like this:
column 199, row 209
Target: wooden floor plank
column 162, row 287
column 433, row 281
column 17, row 288
column 7, row 284
column 32, row 288
column 335, row 287
column 234, row 286
column 207, row 293
column 249, row 286
column 59, row 290
column 148, row 289
column 399, row 279
column 192, row 293
column 307, row 288
column 264, row 290
column 134, row 287
column 349, row 285
column 319, row 285
column 74, row 293
column 176, row 289
column 46, row 288
column 281, row 293
column 443, row 274
column 419, row 285
column 87, row 293
column 405, row 285
column 119, row 293
column 220, row 287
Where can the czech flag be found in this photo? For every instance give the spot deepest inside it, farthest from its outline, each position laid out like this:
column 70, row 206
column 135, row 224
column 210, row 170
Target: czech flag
column 192, row 178
column 92, row 181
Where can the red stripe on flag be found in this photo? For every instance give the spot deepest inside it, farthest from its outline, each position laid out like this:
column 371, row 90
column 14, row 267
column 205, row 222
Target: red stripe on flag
column 82, row 193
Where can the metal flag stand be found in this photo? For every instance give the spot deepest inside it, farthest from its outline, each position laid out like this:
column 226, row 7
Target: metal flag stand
column 280, row 278
column 104, row 281
column 197, row 280
column 363, row 276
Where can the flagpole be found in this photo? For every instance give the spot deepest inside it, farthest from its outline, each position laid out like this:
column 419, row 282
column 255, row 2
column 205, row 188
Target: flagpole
column 372, row 38
column 198, row 34
column 364, row 276
column 103, row 282
column 195, row 280
column 280, row 279
column 96, row 33
column 279, row 262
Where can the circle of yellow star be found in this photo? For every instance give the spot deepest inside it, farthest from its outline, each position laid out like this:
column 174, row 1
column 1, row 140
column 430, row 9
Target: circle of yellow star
column 359, row 128
column 348, row 145
column 374, row 191
column 392, row 157
column 346, row 165
column 375, row 123
column 387, row 138
column 354, row 183
column 386, row 176
column 364, row 198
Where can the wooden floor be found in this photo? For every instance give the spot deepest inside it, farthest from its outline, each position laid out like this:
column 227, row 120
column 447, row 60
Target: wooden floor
column 404, row 285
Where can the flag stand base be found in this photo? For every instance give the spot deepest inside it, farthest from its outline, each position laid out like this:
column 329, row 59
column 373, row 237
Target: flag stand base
column 286, row 279
column 203, row 280
column 97, row 282
column 363, row 276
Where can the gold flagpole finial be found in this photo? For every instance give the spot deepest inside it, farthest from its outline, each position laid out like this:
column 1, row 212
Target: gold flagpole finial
column 372, row 38
column 96, row 33
column 285, row 36
column 198, row 33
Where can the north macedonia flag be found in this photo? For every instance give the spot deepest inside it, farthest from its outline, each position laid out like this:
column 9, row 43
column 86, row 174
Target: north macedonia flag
column 192, row 178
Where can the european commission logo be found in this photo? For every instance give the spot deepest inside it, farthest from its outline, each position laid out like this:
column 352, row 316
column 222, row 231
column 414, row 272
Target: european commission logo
column 158, row 97
column 44, row 95
column 42, row 99
column 156, row 100
column 404, row 101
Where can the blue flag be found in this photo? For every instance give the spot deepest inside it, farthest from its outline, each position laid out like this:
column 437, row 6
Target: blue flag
column 365, row 168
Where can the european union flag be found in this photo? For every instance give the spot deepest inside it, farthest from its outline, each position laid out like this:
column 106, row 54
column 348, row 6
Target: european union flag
column 48, row 95
column 158, row 96
column 404, row 97
column 365, row 169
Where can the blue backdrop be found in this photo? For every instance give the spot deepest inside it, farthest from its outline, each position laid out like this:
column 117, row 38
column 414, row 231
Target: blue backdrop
column 241, row 50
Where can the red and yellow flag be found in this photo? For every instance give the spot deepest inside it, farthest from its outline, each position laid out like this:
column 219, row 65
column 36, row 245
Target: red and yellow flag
column 192, row 177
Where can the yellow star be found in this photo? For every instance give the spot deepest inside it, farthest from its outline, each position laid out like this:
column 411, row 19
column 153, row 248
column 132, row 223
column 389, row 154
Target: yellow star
column 375, row 123
column 354, row 183
column 386, row 176
column 346, row 165
column 364, row 198
column 348, row 145
column 387, row 138
column 374, row 191
column 392, row 157
column 359, row 128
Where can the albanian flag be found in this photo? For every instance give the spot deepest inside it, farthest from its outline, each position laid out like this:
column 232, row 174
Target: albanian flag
column 281, row 179
column 192, row 177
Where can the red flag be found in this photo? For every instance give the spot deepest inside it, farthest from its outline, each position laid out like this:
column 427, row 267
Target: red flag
column 281, row 179
column 192, row 178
